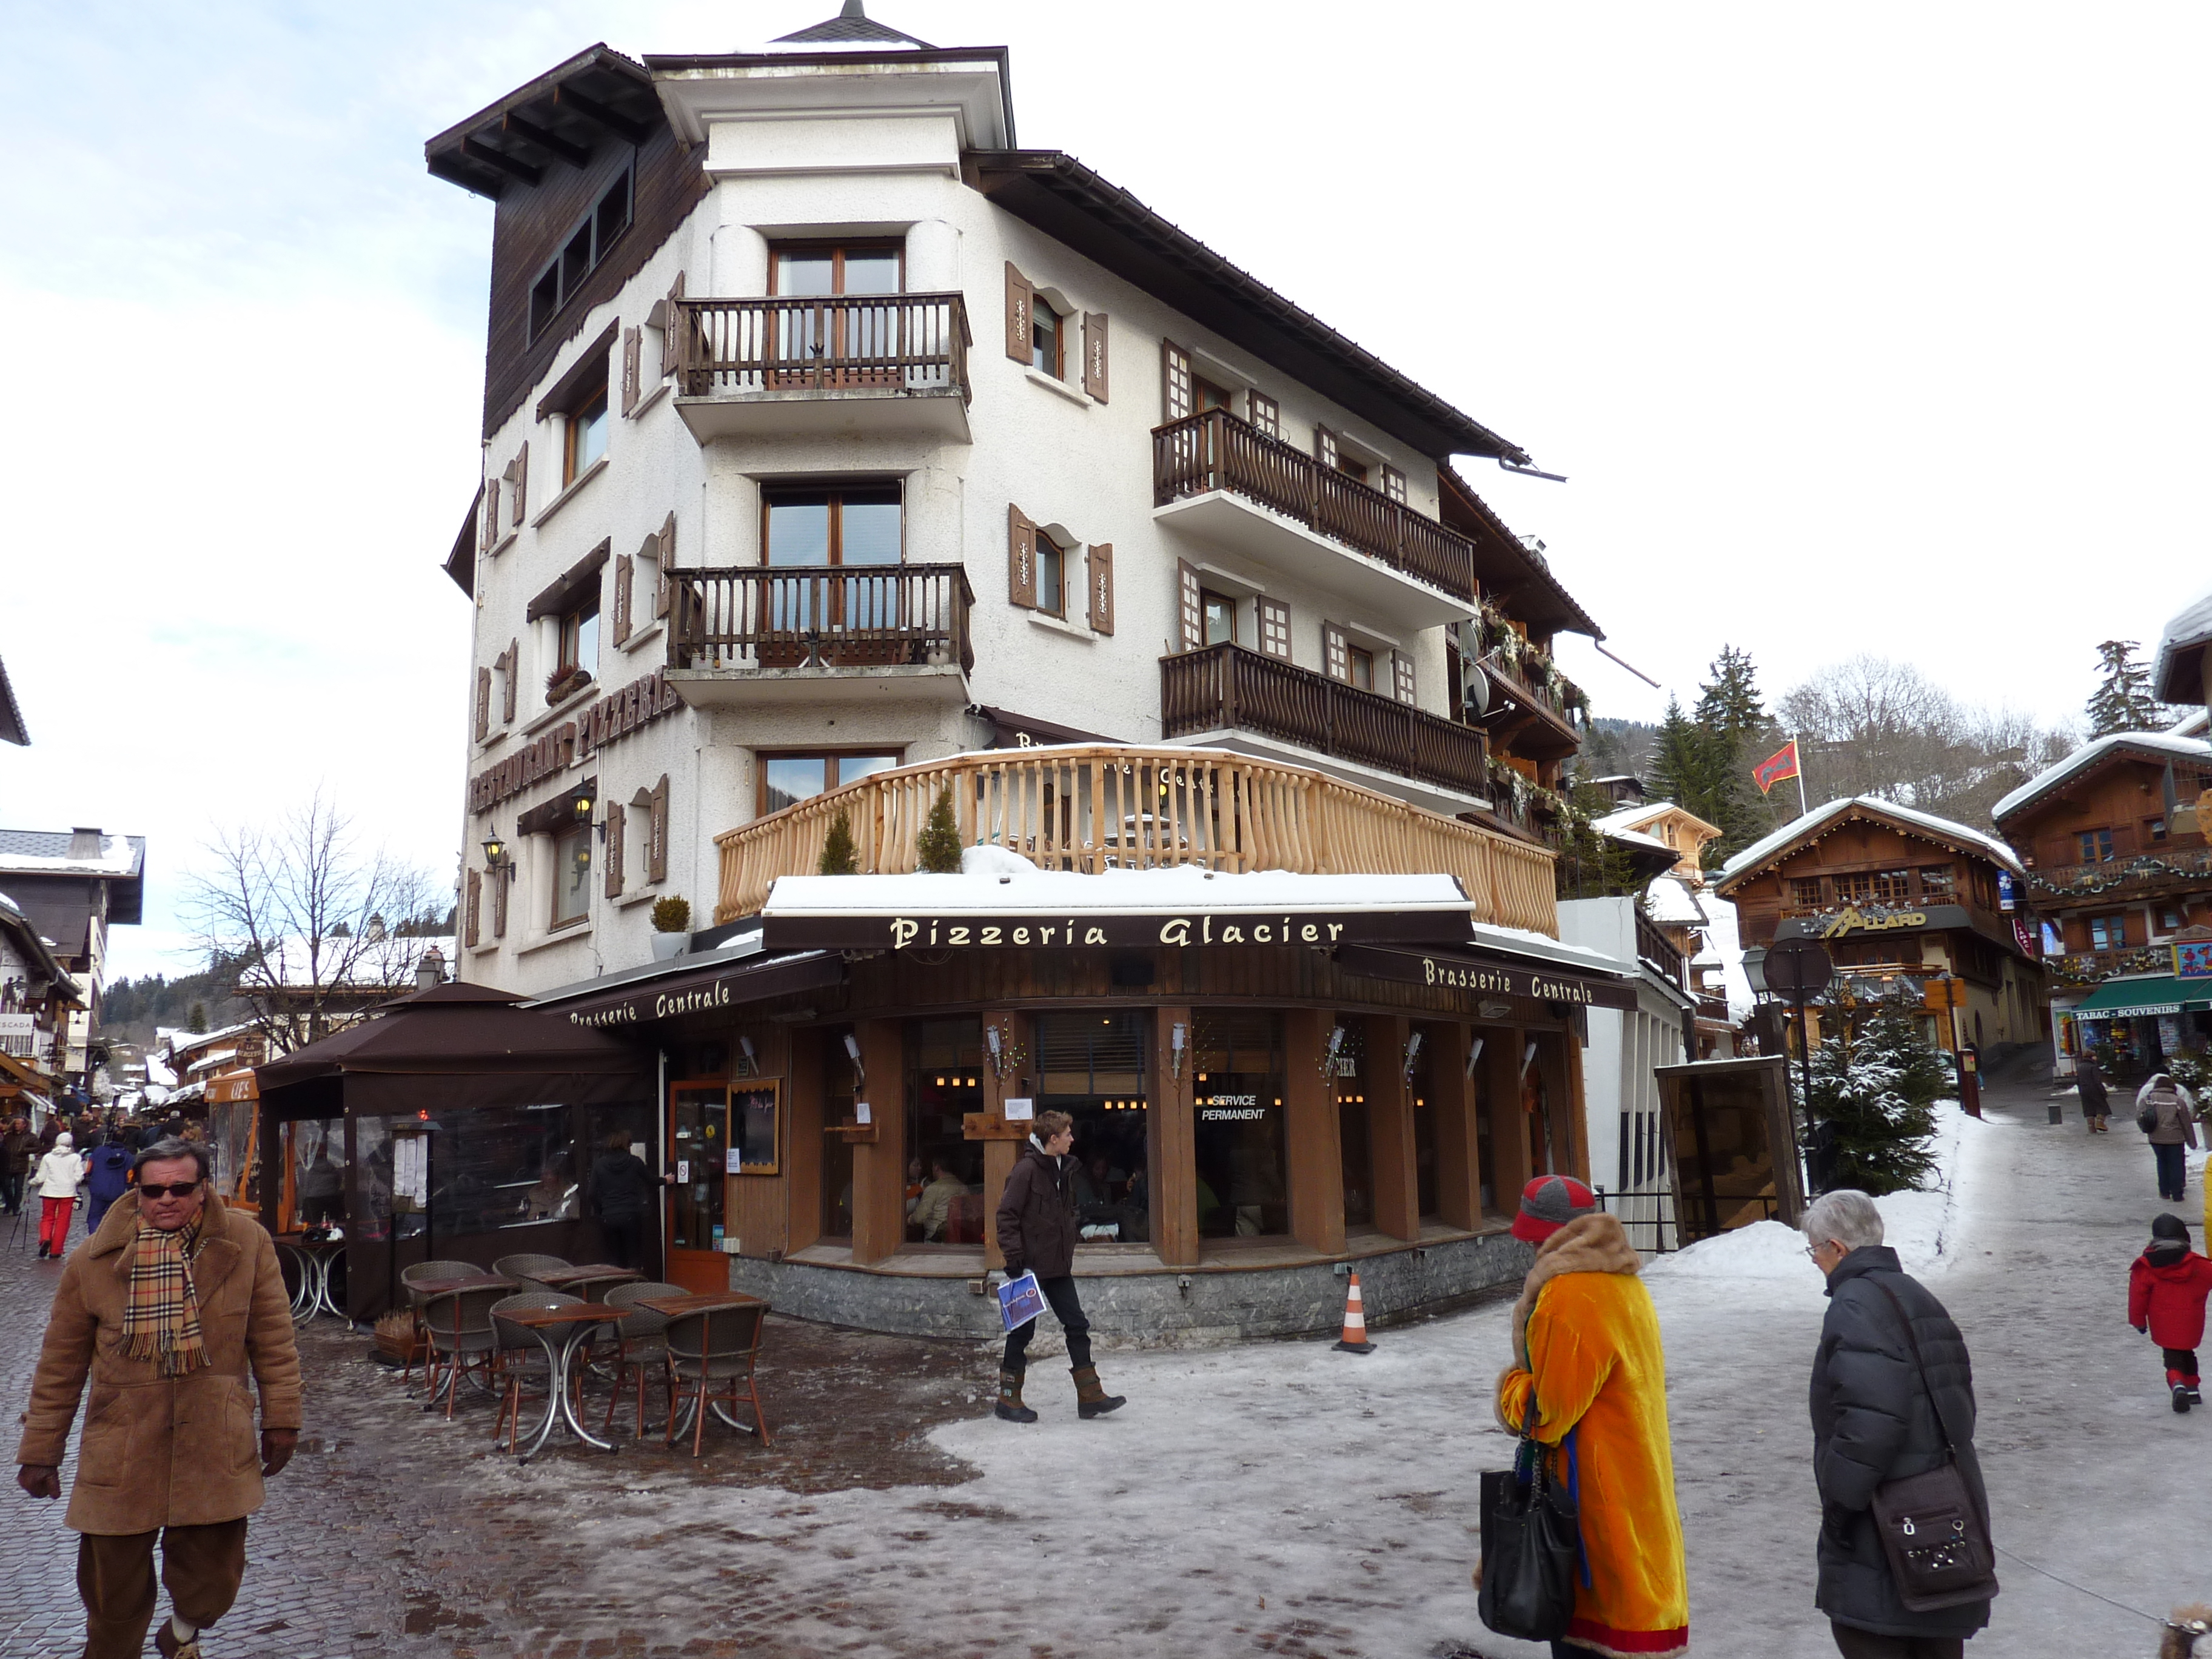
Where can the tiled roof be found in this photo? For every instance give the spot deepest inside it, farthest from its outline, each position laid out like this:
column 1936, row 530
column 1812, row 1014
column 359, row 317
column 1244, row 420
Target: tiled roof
column 46, row 852
column 853, row 23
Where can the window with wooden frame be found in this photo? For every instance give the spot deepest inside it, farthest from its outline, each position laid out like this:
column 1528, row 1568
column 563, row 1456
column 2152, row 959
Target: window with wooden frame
column 831, row 270
column 1855, row 887
column 1805, row 892
column 2095, row 846
column 579, row 640
column 1892, row 886
column 1330, row 453
column 1274, row 627
column 1210, row 396
column 2172, row 918
column 1358, row 667
column 1047, row 339
column 2109, row 932
column 1052, row 563
column 1175, row 377
column 584, row 437
column 845, row 524
column 1393, row 485
column 2154, row 832
column 786, row 778
column 1266, row 415
column 572, row 876
column 1938, row 881
column 587, row 244
column 1217, row 617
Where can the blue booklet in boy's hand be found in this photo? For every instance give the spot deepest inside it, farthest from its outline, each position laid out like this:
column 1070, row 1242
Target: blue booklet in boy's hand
column 1020, row 1300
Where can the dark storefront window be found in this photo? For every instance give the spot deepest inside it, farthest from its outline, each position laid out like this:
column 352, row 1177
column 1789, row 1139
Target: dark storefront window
column 839, row 1091
column 1536, row 1103
column 1355, row 1146
column 945, row 1170
column 698, row 1145
column 1485, row 1159
column 1424, row 1127
column 1092, row 1067
column 316, row 1188
column 1242, row 1164
column 492, row 1168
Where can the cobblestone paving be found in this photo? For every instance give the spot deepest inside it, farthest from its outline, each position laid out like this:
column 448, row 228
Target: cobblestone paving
column 394, row 1532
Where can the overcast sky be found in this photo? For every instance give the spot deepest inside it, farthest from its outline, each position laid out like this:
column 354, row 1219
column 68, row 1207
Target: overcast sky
column 1875, row 328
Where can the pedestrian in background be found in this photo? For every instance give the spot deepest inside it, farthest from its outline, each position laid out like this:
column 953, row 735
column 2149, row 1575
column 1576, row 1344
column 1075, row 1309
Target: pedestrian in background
column 623, row 1192
column 1877, row 1418
column 2167, row 1289
column 168, row 1310
column 18, row 1149
column 1586, row 1349
column 107, row 1177
column 2090, row 1082
column 60, row 1173
column 2166, row 1113
column 1037, row 1234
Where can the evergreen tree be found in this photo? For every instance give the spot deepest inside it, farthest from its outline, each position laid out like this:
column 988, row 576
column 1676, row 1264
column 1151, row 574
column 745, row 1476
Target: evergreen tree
column 2122, row 701
column 839, row 856
column 1866, row 1089
column 938, row 846
column 196, row 1021
column 1678, row 771
column 1589, row 864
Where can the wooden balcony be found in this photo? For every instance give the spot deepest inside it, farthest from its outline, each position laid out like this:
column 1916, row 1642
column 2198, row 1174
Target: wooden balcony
column 854, row 363
column 1526, row 719
column 2080, row 967
column 1095, row 807
column 1659, row 953
column 819, row 633
column 1228, row 688
column 1218, row 477
column 2164, row 870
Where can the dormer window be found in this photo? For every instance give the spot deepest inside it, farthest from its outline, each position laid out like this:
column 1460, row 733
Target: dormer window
column 580, row 255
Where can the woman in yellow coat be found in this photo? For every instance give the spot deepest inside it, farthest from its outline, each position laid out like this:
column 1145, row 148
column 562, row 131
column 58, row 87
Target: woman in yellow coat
column 1586, row 1340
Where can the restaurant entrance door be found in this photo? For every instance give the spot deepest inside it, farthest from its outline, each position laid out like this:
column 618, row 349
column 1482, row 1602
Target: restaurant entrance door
column 698, row 1144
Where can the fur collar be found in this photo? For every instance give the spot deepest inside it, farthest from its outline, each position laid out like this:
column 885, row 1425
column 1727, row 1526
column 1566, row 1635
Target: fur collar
column 1588, row 1244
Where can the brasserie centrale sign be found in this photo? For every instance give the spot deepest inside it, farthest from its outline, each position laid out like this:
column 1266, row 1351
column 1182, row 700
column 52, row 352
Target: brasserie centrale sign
column 1235, row 930
column 1476, row 978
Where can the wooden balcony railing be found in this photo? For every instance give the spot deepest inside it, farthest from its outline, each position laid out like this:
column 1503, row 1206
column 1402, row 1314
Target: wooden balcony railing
column 2163, row 869
column 2089, row 967
column 914, row 342
column 1664, row 956
column 1228, row 687
column 756, row 616
column 1216, row 451
column 1089, row 808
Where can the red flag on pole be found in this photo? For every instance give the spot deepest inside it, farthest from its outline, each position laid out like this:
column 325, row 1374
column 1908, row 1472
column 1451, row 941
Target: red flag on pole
column 1777, row 767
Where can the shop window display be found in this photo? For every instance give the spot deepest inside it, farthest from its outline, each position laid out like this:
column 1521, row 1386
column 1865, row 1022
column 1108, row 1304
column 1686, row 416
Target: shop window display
column 945, row 1170
column 488, row 1168
column 1091, row 1066
column 1354, row 1143
column 839, row 1091
column 314, row 1194
column 1422, row 1087
column 1239, row 1138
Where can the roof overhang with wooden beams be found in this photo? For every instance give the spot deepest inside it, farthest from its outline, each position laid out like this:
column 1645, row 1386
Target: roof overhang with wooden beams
column 1065, row 200
column 1511, row 573
column 557, row 120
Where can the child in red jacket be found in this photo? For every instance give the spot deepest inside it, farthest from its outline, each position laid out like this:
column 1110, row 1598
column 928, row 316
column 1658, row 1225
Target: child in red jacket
column 2166, row 1288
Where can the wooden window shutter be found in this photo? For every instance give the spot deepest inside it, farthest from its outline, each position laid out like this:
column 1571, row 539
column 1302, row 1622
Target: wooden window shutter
column 1021, row 312
column 491, row 515
column 1021, row 558
column 1393, row 485
column 501, row 880
column 1102, row 587
column 625, row 571
column 514, row 660
column 1175, row 381
column 656, row 845
column 618, row 818
column 522, row 482
column 1335, row 653
column 1094, row 354
column 1267, row 414
column 1190, row 605
column 483, row 703
column 1325, row 447
column 470, row 919
column 1404, row 665
column 667, row 563
column 633, row 362
column 1274, row 628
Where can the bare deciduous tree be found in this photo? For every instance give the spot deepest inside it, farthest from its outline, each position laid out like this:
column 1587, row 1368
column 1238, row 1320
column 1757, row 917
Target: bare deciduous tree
column 314, row 928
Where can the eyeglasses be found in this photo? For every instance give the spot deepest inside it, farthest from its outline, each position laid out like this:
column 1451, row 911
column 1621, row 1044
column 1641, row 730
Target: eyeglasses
column 175, row 1189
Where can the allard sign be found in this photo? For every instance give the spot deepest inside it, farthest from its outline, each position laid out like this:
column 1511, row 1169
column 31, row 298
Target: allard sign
column 1236, row 930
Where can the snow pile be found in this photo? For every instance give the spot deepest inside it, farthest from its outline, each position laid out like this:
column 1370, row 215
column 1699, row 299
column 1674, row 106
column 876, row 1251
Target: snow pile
column 989, row 861
column 1766, row 1250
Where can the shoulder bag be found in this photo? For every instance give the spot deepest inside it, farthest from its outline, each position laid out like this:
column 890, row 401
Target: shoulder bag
column 1936, row 1542
column 2147, row 1114
column 1531, row 1543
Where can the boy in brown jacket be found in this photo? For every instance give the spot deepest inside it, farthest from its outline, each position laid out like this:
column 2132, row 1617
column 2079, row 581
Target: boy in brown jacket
column 174, row 1301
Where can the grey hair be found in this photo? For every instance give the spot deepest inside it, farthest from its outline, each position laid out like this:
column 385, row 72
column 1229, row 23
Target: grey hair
column 1846, row 1215
column 169, row 1149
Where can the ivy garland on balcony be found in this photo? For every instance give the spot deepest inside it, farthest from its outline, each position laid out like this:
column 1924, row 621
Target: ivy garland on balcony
column 1530, row 664
column 2143, row 868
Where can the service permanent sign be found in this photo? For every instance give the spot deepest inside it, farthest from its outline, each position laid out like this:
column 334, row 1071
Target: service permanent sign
column 1236, row 929
column 1476, row 978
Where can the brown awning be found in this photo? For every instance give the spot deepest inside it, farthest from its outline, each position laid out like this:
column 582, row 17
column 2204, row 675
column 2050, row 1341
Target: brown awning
column 569, row 585
column 1477, row 974
column 671, row 996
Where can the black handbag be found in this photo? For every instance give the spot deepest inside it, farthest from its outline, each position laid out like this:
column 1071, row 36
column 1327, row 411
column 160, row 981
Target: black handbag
column 1936, row 1542
column 1531, row 1544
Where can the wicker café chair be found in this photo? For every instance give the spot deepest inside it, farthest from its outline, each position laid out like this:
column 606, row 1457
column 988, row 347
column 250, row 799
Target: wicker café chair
column 524, row 1269
column 641, row 1342
column 409, row 1278
column 458, row 1325
column 711, row 1356
column 519, row 1357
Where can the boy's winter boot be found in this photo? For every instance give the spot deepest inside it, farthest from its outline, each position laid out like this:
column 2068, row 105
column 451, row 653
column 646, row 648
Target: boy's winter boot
column 2181, row 1396
column 1091, row 1399
column 1010, row 1407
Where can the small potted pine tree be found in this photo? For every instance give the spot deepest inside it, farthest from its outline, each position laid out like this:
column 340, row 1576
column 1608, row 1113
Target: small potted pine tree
column 672, row 926
column 839, row 856
column 936, row 848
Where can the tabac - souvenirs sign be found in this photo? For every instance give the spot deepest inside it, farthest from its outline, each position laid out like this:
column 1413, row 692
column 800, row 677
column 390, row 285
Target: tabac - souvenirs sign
column 1476, row 978
column 1237, row 930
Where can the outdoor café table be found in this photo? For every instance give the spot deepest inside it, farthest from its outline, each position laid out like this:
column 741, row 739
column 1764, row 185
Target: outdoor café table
column 573, row 1323
column 676, row 1307
column 315, row 1257
column 585, row 1280
column 424, row 1289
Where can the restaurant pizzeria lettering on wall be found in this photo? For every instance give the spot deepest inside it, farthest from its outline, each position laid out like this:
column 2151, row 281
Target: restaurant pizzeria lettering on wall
column 614, row 716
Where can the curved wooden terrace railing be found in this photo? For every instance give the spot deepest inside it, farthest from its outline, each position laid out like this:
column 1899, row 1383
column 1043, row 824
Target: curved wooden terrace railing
column 1093, row 807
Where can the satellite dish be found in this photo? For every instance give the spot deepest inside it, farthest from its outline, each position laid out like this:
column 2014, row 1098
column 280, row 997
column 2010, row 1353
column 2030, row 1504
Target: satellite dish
column 1474, row 690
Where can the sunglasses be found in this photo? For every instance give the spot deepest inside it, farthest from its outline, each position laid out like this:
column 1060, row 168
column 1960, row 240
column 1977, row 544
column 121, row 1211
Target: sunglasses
column 176, row 1189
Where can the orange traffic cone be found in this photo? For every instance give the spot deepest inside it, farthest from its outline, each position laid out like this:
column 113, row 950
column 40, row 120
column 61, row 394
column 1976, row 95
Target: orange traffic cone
column 1354, row 1340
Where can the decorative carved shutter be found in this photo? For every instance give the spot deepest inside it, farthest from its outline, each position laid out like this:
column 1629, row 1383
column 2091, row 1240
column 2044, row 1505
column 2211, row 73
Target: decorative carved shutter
column 483, row 703
column 1021, row 312
column 656, row 845
column 1404, row 665
column 674, row 330
column 501, row 880
column 1102, row 587
column 1267, row 414
column 1190, row 606
column 522, row 482
column 618, row 818
column 490, row 530
column 625, row 569
column 1274, row 628
column 633, row 356
column 1335, row 653
column 1393, row 485
column 1021, row 558
column 667, row 563
column 1094, row 354
column 474, row 910
column 1325, row 447
column 1175, row 381
column 514, row 660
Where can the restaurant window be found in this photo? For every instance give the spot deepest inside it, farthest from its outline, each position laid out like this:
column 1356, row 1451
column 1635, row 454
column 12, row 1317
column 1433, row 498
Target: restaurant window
column 1856, row 888
column 1217, row 617
column 1238, row 1142
column 1536, row 1104
column 840, row 1088
column 571, row 875
column 2096, row 845
column 587, row 244
column 1805, row 892
column 1892, row 886
column 314, row 1174
column 945, row 1170
column 1091, row 1066
column 2108, row 932
column 585, row 440
column 1355, row 1144
column 786, row 779
column 490, row 1168
column 1936, row 881
column 1426, row 1186
column 698, row 1145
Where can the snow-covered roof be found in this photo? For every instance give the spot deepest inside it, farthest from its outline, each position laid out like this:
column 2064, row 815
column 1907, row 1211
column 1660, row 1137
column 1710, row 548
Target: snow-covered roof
column 1635, row 838
column 2197, row 723
column 1670, row 900
column 1650, row 811
column 208, row 1062
column 1032, row 891
column 1521, row 941
column 46, row 852
column 183, row 1042
column 1765, row 849
column 2187, row 634
column 2158, row 745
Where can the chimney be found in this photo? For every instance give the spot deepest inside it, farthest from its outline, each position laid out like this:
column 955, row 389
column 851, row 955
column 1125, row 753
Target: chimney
column 85, row 843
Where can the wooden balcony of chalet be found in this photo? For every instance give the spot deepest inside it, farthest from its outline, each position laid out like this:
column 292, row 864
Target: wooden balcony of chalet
column 750, row 634
column 1661, row 954
column 2080, row 968
column 1228, row 695
column 1223, row 480
column 1089, row 808
column 2162, row 872
column 1524, row 718
column 847, row 363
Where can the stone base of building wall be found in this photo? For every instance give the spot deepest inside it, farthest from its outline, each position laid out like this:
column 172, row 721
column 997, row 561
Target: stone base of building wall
column 1164, row 1309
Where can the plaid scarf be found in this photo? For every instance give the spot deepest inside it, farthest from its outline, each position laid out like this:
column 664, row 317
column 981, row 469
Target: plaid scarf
column 162, row 1314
